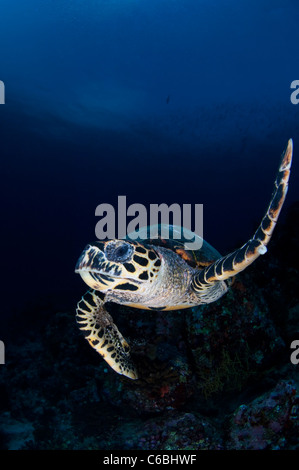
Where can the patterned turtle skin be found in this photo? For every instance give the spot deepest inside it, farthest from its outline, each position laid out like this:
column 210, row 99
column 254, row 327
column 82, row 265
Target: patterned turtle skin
column 161, row 274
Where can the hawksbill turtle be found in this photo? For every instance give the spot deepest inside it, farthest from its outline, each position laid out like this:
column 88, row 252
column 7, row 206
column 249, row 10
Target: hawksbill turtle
column 159, row 274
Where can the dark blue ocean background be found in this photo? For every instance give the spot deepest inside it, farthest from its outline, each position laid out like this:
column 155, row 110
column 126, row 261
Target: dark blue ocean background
column 160, row 101
column 185, row 102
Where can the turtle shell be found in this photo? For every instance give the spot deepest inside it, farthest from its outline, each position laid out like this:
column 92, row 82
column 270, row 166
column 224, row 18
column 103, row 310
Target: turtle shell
column 180, row 240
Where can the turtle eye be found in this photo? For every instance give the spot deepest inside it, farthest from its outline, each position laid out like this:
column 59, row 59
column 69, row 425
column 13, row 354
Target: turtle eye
column 121, row 251
column 118, row 251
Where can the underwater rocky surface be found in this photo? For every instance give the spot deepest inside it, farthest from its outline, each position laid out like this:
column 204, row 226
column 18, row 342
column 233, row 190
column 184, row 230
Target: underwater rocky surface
column 212, row 377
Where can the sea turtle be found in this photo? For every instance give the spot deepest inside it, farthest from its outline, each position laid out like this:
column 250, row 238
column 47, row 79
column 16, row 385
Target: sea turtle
column 161, row 274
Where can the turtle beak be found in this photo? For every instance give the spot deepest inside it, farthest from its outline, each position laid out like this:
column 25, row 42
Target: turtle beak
column 91, row 259
column 94, row 269
column 87, row 266
column 80, row 263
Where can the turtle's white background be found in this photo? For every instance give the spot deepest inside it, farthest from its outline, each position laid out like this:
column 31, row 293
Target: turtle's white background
column 162, row 101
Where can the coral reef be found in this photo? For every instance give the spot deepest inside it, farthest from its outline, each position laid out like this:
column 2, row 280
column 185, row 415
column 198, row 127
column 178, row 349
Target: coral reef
column 267, row 422
column 231, row 340
column 176, row 431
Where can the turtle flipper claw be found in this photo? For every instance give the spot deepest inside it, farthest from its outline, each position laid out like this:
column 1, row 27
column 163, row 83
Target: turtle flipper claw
column 103, row 335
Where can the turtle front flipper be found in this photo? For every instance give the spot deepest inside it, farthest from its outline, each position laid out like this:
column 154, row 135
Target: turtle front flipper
column 103, row 335
column 230, row 265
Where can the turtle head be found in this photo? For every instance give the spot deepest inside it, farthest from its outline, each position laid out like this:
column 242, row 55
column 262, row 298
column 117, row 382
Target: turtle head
column 122, row 265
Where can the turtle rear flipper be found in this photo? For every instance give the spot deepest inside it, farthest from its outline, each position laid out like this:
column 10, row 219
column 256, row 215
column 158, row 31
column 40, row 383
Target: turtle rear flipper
column 233, row 263
column 103, row 335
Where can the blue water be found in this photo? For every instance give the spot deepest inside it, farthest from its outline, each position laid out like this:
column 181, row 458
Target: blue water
column 174, row 101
